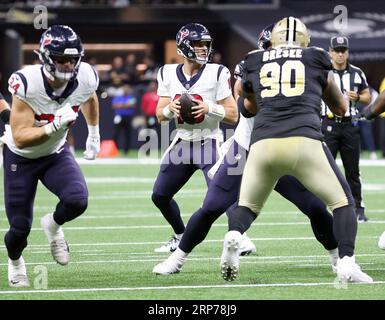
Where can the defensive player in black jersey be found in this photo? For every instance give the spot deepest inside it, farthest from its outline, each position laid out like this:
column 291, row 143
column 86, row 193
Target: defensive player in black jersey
column 284, row 87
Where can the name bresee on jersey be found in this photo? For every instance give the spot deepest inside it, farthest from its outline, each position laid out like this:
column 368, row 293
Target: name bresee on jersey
column 288, row 84
column 30, row 85
column 211, row 83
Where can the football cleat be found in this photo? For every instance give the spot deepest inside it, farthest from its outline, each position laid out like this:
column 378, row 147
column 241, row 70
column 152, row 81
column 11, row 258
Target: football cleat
column 169, row 266
column 17, row 273
column 361, row 217
column 230, row 255
column 59, row 246
column 349, row 270
column 381, row 241
column 247, row 246
column 170, row 246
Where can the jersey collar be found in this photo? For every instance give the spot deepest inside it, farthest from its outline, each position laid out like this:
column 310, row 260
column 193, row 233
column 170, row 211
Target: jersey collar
column 188, row 83
column 71, row 87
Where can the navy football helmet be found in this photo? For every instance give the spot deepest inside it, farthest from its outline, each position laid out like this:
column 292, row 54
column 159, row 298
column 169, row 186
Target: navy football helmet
column 185, row 42
column 60, row 44
column 264, row 39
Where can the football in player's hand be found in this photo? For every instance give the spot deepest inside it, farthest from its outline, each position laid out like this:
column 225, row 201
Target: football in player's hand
column 186, row 103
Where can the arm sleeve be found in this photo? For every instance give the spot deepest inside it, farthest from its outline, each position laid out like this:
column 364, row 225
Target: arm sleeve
column 163, row 90
column 224, row 85
column 17, row 85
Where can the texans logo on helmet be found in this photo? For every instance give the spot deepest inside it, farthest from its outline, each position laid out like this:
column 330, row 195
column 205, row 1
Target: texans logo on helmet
column 183, row 34
column 47, row 40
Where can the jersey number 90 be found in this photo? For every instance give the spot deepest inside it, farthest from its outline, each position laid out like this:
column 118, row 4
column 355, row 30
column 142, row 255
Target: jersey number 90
column 278, row 79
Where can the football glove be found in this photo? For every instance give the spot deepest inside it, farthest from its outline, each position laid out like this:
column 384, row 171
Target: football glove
column 64, row 117
column 92, row 143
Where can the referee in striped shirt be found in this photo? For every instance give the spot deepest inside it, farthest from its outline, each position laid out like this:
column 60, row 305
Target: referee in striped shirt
column 342, row 133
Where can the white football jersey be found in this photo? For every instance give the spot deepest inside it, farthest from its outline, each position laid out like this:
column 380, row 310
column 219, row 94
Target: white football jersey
column 30, row 85
column 211, row 83
column 243, row 131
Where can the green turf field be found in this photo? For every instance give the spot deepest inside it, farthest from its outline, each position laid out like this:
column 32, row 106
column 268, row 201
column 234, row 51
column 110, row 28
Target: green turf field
column 112, row 247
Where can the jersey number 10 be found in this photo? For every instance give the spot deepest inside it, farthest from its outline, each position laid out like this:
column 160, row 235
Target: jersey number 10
column 277, row 79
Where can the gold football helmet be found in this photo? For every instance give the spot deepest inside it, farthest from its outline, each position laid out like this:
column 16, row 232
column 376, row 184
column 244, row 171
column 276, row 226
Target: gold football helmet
column 290, row 32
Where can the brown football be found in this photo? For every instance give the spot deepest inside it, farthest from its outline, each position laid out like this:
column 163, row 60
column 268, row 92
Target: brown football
column 186, row 103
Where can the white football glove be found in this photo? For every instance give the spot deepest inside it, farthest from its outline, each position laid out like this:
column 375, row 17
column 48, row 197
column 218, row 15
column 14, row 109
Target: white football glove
column 64, row 117
column 92, row 143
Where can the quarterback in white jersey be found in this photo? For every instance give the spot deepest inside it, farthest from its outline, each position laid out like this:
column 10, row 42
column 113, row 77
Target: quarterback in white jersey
column 209, row 85
column 46, row 101
column 195, row 145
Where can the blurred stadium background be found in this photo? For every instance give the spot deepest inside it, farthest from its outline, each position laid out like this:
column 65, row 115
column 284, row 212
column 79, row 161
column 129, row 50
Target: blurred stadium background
column 127, row 40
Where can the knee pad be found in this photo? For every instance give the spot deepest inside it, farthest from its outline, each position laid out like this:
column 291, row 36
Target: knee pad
column 20, row 226
column 76, row 206
column 160, row 201
column 214, row 206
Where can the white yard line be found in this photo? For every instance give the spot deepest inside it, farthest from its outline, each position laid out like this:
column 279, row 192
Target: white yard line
column 223, row 286
column 244, row 260
column 112, row 244
column 156, row 161
column 163, row 226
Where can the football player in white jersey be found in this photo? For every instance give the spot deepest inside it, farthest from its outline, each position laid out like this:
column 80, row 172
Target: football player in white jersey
column 195, row 145
column 46, row 101
column 223, row 192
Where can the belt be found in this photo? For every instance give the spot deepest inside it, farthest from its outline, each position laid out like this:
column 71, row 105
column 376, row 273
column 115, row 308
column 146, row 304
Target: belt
column 338, row 119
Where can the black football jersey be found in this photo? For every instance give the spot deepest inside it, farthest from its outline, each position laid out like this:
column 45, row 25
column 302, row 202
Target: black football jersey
column 288, row 84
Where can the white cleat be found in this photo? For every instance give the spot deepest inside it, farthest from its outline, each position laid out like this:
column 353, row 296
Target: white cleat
column 247, row 246
column 381, row 241
column 168, row 266
column 59, row 246
column 349, row 270
column 17, row 273
column 230, row 255
column 333, row 258
column 170, row 246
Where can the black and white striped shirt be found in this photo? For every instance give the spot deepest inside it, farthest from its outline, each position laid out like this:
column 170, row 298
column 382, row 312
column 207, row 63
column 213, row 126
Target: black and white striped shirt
column 350, row 79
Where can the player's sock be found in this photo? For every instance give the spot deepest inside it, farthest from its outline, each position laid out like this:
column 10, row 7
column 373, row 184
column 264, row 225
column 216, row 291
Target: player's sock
column 241, row 219
column 345, row 229
column 15, row 244
column 197, row 229
column 170, row 210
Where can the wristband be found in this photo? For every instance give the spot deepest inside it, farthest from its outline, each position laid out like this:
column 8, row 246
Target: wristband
column 216, row 111
column 242, row 109
column 50, row 128
column 4, row 116
column 93, row 130
column 167, row 113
